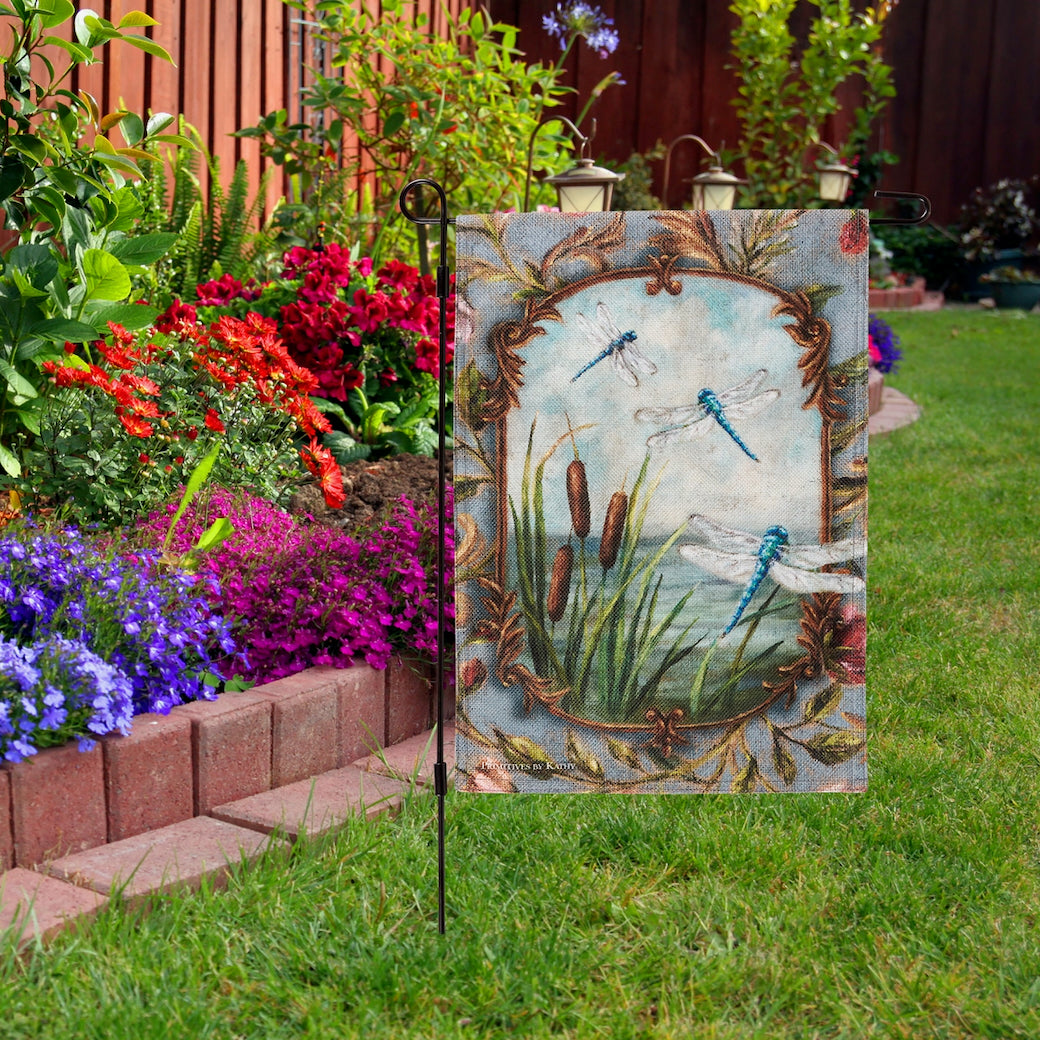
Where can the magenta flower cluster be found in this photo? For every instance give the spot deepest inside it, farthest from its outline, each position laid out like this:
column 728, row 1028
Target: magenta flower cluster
column 303, row 594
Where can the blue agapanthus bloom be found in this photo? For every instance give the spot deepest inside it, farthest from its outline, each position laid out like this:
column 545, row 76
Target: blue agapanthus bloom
column 575, row 19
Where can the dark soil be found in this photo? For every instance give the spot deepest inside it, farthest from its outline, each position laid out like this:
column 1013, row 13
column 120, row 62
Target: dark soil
column 372, row 489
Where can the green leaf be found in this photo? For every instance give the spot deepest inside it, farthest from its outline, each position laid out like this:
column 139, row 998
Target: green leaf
column 132, row 316
column 199, row 475
column 17, row 384
column 132, row 18
column 217, row 531
column 10, row 462
column 54, row 12
column 35, row 261
column 344, row 448
column 823, row 703
column 78, row 53
column 106, row 277
column 60, row 330
column 157, row 122
column 834, row 748
column 783, row 761
column 142, row 43
column 143, row 249
column 12, row 175
column 133, row 129
column 30, row 146
column 393, row 123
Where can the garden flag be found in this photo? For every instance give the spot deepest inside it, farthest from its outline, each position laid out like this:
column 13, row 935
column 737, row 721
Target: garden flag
column 661, row 501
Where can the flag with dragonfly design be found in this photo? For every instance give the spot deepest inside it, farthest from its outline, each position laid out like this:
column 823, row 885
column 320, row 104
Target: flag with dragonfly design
column 660, row 479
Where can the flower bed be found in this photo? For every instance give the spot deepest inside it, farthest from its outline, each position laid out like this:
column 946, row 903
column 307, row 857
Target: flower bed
column 198, row 756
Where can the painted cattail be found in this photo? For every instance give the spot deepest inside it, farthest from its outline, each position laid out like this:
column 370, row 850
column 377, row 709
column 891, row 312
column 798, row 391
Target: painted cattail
column 613, row 529
column 560, row 583
column 578, row 498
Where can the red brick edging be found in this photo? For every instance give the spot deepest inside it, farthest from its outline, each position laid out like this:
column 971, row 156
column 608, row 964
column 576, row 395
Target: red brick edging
column 179, row 766
column 902, row 296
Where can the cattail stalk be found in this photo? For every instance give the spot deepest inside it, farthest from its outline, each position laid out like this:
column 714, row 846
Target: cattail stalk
column 560, row 583
column 578, row 498
column 613, row 529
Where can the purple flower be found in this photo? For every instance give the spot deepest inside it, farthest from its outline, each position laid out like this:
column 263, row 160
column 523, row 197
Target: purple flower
column 883, row 345
column 574, row 19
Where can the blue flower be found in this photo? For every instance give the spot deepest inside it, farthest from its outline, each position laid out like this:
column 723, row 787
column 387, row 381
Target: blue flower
column 574, row 19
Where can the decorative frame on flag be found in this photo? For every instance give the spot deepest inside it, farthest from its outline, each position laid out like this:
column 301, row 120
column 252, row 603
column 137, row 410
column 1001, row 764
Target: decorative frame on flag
column 660, row 501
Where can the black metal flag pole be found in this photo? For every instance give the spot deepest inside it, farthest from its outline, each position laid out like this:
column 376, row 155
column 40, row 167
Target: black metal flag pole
column 440, row 769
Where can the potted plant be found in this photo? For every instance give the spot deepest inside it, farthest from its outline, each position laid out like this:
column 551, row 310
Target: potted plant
column 996, row 224
column 1013, row 287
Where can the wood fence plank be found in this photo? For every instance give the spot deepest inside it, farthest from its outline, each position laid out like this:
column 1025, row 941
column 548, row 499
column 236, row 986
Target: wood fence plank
column 197, row 71
column 125, row 67
column 248, row 110
column 165, row 87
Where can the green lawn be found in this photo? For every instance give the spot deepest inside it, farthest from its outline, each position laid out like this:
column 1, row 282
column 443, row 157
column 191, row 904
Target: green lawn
column 909, row 911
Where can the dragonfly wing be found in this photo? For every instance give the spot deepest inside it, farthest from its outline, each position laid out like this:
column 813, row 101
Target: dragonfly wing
column 724, row 538
column 814, row 581
column 598, row 337
column 819, row 555
column 745, row 409
column 742, row 391
column 621, row 367
column 606, row 322
column 679, row 434
column 684, row 413
column 635, row 358
column 728, row 566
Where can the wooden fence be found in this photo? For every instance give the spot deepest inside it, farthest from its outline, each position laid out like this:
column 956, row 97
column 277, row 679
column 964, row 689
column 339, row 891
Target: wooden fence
column 234, row 61
column 967, row 92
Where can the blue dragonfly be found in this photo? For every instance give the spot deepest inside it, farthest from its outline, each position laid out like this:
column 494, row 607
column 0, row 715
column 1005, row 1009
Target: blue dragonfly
column 688, row 421
column 745, row 558
column 625, row 357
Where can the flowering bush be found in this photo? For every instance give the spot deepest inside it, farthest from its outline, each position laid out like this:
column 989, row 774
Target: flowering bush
column 304, row 594
column 88, row 638
column 997, row 217
column 129, row 421
column 883, row 345
column 370, row 339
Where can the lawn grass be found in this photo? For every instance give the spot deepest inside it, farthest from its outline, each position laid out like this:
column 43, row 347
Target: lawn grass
column 908, row 911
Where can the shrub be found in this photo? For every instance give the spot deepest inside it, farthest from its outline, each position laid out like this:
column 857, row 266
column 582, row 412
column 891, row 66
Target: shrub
column 123, row 428
column 371, row 339
column 303, row 594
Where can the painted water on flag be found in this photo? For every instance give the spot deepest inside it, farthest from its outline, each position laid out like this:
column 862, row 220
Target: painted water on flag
column 660, row 481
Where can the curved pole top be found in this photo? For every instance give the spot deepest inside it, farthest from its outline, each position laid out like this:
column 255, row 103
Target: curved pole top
column 441, row 218
column 912, row 196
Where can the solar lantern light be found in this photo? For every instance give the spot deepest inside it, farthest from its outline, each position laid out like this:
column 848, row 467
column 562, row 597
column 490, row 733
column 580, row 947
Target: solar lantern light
column 716, row 188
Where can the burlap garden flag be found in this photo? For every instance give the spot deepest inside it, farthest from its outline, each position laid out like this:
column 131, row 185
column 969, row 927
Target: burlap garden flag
column 660, row 501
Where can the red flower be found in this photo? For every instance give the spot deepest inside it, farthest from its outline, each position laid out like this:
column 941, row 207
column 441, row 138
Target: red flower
column 213, row 422
column 177, row 317
column 318, row 459
column 387, row 376
column 192, row 433
column 143, row 459
column 135, row 426
column 854, row 236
